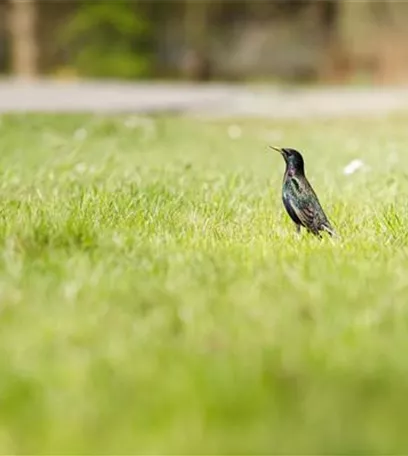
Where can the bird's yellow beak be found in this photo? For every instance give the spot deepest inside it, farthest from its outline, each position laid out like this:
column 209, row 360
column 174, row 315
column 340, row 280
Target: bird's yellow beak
column 278, row 149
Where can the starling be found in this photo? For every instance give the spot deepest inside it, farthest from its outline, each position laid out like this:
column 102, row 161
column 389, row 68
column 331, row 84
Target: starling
column 298, row 196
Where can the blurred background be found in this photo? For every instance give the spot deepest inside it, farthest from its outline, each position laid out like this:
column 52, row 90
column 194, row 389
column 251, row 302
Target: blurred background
column 309, row 41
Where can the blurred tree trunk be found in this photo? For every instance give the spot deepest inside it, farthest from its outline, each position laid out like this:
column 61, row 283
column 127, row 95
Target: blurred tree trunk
column 336, row 65
column 392, row 35
column 350, row 48
column 196, row 61
column 3, row 38
column 371, row 41
column 24, row 43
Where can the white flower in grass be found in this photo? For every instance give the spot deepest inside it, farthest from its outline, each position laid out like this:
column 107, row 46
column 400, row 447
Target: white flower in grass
column 353, row 166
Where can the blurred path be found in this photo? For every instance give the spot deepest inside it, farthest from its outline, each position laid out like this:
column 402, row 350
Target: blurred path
column 212, row 100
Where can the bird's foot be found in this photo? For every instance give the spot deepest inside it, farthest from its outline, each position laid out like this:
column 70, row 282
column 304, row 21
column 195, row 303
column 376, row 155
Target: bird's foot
column 298, row 233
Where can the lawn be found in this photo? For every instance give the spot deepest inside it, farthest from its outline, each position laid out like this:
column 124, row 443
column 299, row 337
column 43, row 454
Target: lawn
column 154, row 296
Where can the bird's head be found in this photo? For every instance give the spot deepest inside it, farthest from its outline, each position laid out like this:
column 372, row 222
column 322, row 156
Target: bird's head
column 292, row 157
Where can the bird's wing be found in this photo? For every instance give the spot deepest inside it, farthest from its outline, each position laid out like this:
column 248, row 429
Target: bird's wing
column 301, row 204
column 307, row 208
column 305, row 211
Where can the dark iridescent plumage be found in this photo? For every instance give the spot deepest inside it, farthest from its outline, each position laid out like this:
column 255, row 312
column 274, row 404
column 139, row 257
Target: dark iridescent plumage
column 298, row 196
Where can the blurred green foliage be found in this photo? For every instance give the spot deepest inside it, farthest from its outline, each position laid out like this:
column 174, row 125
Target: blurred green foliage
column 106, row 39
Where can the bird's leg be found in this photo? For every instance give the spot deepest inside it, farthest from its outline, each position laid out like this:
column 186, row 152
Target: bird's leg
column 297, row 229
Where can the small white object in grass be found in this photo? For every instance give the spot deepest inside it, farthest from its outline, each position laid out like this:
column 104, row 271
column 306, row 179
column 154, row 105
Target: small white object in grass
column 353, row 166
column 234, row 131
column 80, row 134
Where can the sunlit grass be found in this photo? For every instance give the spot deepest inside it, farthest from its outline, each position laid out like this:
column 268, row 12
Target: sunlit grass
column 154, row 297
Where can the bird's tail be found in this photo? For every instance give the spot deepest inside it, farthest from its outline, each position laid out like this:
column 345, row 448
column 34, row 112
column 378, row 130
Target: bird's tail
column 330, row 230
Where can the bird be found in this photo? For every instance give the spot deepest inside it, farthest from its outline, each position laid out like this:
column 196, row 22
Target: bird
column 299, row 198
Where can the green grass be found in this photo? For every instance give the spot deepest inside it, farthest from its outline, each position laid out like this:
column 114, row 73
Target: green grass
column 154, row 297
